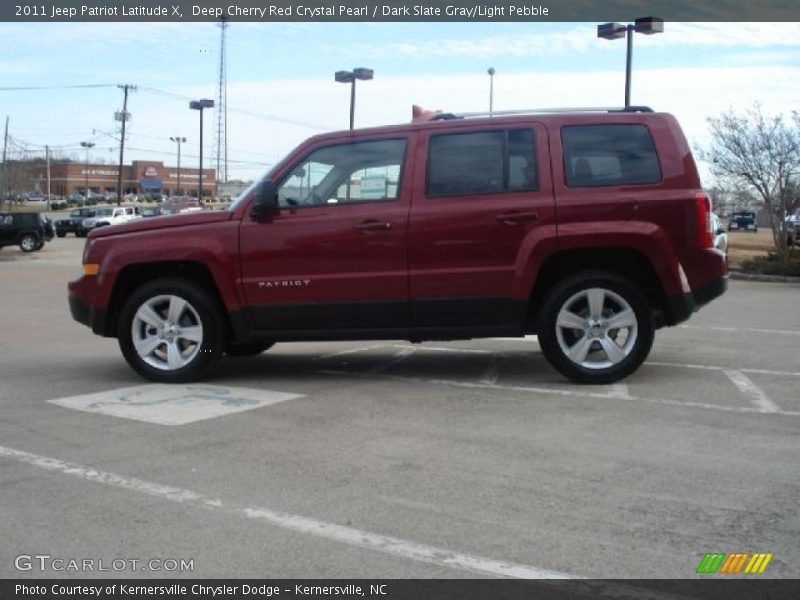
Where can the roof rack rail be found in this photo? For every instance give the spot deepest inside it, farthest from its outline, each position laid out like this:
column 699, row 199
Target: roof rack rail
column 533, row 111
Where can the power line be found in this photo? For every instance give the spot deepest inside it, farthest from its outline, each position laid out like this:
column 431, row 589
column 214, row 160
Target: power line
column 242, row 111
column 56, row 87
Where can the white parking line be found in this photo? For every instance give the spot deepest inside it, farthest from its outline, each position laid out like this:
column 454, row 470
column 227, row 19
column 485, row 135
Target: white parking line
column 563, row 392
column 716, row 368
column 618, row 390
column 742, row 329
column 346, row 535
column 446, row 349
column 758, row 397
column 398, row 357
column 350, row 351
column 491, row 374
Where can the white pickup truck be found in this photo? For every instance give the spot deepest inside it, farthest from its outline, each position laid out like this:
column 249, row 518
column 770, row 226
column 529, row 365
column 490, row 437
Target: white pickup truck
column 110, row 215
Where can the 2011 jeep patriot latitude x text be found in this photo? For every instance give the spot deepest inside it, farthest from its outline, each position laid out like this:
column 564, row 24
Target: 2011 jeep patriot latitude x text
column 588, row 228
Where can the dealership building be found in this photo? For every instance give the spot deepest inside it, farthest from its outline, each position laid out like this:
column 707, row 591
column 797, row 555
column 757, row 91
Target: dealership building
column 140, row 177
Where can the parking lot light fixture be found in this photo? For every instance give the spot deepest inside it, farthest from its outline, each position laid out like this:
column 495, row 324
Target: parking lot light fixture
column 615, row 31
column 179, row 140
column 350, row 77
column 86, row 145
column 491, row 73
column 199, row 105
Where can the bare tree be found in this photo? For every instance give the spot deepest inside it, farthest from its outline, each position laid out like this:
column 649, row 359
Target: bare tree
column 761, row 154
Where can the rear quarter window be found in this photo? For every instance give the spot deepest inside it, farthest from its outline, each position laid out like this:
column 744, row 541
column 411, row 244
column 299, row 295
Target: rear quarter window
column 606, row 155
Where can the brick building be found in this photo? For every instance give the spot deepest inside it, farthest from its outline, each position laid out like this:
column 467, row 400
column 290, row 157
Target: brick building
column 140, row 177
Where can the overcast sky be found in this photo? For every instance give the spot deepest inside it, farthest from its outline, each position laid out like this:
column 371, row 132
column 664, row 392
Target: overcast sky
column 281, row 87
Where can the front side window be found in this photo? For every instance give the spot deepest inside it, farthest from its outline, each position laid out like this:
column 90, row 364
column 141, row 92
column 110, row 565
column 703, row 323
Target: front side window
column 601, row 155
column 345, row 173
column 484, row 162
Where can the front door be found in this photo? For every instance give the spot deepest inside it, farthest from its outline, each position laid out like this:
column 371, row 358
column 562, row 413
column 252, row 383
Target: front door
column 334, row 257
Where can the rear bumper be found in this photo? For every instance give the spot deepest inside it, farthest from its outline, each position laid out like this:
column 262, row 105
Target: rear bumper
column 681, row 306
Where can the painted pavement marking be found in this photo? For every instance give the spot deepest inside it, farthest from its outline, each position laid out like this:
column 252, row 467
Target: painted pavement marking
column 173, row 404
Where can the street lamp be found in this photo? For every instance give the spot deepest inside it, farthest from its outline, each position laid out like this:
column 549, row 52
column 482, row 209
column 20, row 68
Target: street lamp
column 86, row 145
column 179, row 141
column 350, row 77
column 200, row 105
column 491, row 72
column 615, row 31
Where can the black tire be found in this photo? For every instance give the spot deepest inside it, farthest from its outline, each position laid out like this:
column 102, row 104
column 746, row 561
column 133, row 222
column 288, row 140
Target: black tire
column 251, row 349
column 632, row 342
column 39, row 245
column 61, row 233
column 28, row 242
column 80, row 234
column 192, row 359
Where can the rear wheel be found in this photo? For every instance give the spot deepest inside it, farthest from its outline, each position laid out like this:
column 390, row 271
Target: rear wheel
column 28, row 242
column 170, row 331
column 61, row 233
column 596, row 327
column 251, row 349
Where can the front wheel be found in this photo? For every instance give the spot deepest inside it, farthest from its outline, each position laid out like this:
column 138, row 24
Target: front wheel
column 596, row 327
column 170, row 331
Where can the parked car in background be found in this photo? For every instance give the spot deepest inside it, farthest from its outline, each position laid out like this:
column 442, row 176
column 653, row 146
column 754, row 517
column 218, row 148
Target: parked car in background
column 109, row 215
column 35, row 197
column 74, row 223
column 151, row 211
column 793, row 229
column 720, row 237
column 743, row 221
column 29, row 231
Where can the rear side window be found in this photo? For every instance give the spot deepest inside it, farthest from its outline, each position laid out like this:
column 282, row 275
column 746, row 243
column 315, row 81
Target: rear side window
column 481, row 163
column 599, row 155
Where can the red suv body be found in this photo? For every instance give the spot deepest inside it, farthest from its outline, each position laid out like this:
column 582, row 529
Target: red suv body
column 589, row 229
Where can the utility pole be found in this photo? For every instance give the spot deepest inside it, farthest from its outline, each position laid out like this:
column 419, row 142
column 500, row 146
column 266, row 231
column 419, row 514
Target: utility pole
column 47, row 156
column 3, row 182
column 122, row 116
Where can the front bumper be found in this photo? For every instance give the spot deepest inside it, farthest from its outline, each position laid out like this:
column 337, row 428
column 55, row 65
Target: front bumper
column 83, row 311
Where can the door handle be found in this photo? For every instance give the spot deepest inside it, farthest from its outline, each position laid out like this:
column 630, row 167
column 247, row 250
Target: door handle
column 512, row 218
column 373, row 226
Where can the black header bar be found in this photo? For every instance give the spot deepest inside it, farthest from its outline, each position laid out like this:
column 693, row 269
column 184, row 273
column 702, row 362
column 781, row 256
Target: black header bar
column 46, row 11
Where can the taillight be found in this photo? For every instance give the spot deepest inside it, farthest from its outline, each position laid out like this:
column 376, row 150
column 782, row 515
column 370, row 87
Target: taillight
column 704, row 222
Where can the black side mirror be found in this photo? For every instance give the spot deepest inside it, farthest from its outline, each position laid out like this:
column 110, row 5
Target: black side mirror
column 266, row 200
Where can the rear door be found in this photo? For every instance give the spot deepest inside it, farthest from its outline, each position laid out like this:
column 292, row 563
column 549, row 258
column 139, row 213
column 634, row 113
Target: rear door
column 483, row 193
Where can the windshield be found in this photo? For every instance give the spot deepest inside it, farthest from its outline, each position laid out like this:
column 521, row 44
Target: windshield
column 244, row 194
column 104, row 212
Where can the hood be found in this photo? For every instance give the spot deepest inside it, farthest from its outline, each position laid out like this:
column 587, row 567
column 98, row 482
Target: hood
column 163, row 222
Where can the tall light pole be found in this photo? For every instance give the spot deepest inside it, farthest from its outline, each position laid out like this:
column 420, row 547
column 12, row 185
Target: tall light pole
column 491, row 72
column 179, row 141
column 200, row 105
column 615, row 31
column 86, row 145
column 350, row 77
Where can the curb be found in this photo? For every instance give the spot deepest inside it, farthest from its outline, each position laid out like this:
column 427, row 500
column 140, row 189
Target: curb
column 765, row 278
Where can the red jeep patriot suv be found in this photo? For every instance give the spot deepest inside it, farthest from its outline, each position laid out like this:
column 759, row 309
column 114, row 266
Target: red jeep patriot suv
column 587, row 227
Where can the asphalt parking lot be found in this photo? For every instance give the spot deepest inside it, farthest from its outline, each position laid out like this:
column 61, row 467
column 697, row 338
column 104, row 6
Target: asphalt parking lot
column 393, row 460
